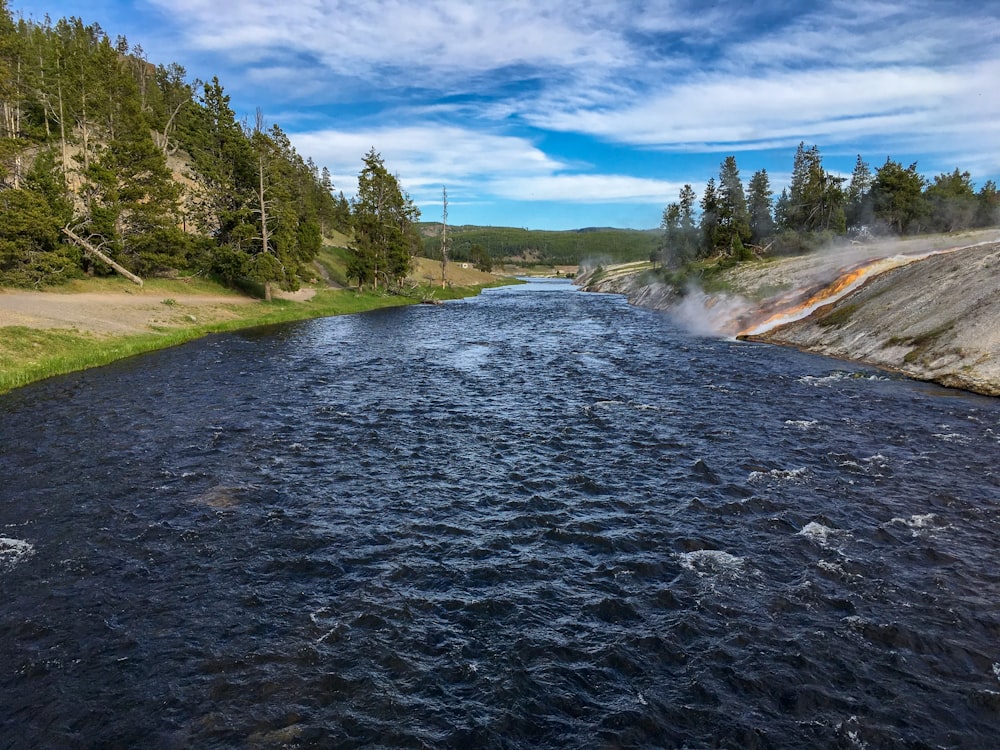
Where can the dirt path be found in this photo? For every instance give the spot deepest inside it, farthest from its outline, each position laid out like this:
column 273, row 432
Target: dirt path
column 117, row 312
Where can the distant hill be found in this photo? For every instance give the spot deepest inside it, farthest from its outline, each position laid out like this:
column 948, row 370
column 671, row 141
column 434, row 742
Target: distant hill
column 542, row 247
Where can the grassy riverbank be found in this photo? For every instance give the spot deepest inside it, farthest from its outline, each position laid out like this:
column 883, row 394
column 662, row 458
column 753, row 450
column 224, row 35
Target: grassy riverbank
column 32, row 353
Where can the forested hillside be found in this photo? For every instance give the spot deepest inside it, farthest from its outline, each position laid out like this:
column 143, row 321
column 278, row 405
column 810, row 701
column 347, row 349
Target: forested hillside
column 486, row 246
column 107, row 159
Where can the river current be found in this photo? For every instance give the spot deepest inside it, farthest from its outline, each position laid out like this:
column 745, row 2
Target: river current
column 538, row 518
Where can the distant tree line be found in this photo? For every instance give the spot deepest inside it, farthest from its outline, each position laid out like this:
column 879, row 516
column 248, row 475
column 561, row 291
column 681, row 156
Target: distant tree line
column 154, row 174
column 487, row 246
column 817, row 206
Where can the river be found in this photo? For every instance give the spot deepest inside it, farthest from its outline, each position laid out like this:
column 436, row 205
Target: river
column 538, row 518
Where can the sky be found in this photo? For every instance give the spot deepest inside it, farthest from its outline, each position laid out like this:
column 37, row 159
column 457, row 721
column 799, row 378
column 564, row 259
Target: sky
column 565, row 114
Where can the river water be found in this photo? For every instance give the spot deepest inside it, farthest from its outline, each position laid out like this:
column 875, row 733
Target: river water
column 534, row 519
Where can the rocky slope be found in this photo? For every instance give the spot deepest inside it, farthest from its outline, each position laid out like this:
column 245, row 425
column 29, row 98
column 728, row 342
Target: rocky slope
column 935, row 318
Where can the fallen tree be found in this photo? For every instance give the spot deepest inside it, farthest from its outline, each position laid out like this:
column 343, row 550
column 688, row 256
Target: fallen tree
column 90, row 248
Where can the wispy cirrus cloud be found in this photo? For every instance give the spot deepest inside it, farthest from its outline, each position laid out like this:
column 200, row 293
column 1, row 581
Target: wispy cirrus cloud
column 743, row 112
column 436, row 37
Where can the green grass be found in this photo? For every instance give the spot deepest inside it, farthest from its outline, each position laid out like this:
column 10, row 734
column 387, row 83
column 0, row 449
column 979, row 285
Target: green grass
column 839, row 316
column 333, row 259
column 924, row 341
column 28, row 355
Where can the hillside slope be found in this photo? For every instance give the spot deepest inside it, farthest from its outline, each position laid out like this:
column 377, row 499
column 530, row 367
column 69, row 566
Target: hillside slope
column 934, row 318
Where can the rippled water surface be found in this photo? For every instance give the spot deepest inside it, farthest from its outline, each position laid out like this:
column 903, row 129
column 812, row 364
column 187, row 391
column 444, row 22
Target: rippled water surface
column 534, row 519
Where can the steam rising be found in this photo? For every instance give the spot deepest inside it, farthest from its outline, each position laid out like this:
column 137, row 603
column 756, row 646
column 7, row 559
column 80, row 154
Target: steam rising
column 808, row 283
column 714, row 315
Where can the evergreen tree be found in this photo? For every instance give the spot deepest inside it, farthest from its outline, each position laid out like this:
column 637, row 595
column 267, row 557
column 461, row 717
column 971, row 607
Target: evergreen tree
column 988, row 205
column 759, row 207
column 859, row 211
column 815, row 197
column 480, row 258
column 688, row 225
column 783, row 210
column 709, row 224
column 670, row 252
column 734, row 219
column 31, row 253
column 132, row 198
column 897, row 196
column 106, row 119
column 384, row 234
column 952, row 202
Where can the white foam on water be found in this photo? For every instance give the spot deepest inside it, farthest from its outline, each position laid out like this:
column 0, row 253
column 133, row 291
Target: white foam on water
column 836, row 569
column 952, row 437
column 996, row 670
column 803, row 424
column 855, row 621
column 14, row 551
column 782, row 474
column 917, row 520
column 918, row 523
column 835, row 377
column 868, row 465
column 818, row 532
column 711, row 562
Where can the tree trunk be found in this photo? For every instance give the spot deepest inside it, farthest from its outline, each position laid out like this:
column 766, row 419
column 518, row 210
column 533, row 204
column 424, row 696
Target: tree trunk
column 444, row 239
column 98, row 254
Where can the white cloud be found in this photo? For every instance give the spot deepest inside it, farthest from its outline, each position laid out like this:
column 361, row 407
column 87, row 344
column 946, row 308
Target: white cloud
column 428, row 155
column 823, row 105
column 753, row 72
column 586, row 188
column 472, row 164
column 441, row 35
column 676, row 77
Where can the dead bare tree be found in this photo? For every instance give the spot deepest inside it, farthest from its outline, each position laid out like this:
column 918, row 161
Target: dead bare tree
column 260, row 197
column 444, row 238
column 95, row 250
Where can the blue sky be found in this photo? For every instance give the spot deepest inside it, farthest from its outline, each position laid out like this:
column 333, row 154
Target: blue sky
column 561, row 114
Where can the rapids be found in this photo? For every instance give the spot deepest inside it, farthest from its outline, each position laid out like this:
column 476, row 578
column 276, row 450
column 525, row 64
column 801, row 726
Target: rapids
column 539, row 518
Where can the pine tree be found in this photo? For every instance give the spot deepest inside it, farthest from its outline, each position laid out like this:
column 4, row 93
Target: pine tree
column 709, row 224
column 31, row 253
column 688, row 227
column 815, row 196
column 132, row 198
column 734, row 220
column 898, row 197
column 105, row 118
column 670, row 252
column 858, row 211
column 952, row 201
column 383, row 218
column 759, row 207
column 988, row 205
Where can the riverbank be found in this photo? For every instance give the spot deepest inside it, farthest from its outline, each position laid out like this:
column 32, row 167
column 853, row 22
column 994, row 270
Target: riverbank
column 933, row 314
column 92, row 323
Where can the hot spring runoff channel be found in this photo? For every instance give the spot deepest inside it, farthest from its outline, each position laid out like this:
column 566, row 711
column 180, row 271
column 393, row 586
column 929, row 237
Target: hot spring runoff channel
column 534, row 519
